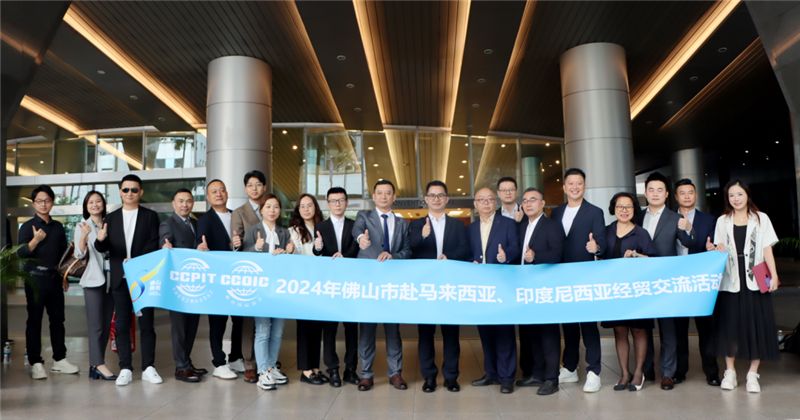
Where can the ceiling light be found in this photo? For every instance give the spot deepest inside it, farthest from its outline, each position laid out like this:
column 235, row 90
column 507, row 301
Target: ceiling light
column 767, row 157
column 488, row 51
column 648, row 122
column 476, row 106
column 161, row 119
column 461, row 177
column 693, row 78
column 481, row 80
column 101, row 72
column 375, row 165
column 133, row 97
column 547, row 144
column 503, row 145
column 722, row 50
column 341, row 57
column 747, row 151
column 357, row 109
column 40, row 127
column 558, row 180
column 380, row 179
column 558, row 162
column 743, row 164
column 463, row 193
column 294, row 147
column 669, row 102
column 777, row 141
column 41, row 162
column 284, row 132
column 464, row 161
column 458, row 189
column 350, row 85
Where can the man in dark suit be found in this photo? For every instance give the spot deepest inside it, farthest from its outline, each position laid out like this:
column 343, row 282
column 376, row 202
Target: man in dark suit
column 703, row 225
column 178, row 231
column 438, row 236
column 584, row 227
column 214, row 234
column 129, row 232
column 334, row 239
column 381, row 236
column 540, row 345
column 666, row 228
column 493, row 240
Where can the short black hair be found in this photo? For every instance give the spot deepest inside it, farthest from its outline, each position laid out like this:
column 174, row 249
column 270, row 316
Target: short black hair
column 45, row 189
column 131, row 177
column 336, row 190
column 383, row 182
column 685, row 181
column 255, row 174
column 506, row 179
column 215, row 180
column 657, row 176
column 86, row 214
column 436, row 183
column 613, row 203
column 182, row 190
column 574, row 171
column 533, row 189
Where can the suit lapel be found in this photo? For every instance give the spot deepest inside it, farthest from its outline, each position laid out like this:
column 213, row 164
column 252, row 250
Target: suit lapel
column 662, row 221
column 536, row 230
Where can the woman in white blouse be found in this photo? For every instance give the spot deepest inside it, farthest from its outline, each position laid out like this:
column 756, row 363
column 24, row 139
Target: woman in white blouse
column 745, row 318
column 302, row 230
column 99, row 305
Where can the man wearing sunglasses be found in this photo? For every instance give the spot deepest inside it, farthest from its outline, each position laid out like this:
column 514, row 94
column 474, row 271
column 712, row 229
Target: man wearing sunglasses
column 127, row 233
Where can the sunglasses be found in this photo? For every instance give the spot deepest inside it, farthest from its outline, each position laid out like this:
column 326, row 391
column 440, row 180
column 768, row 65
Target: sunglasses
column 130, row 190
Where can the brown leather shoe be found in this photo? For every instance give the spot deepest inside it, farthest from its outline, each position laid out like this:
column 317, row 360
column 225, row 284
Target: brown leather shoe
column 667, row 383
column 365, row 384
column 250, row 376
column 186, row 375
column 398, row 382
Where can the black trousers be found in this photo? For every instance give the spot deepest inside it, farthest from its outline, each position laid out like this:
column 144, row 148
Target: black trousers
column 499, row 344
column 147, row 333
column 705, row 337
column 216, row 326
column 184, row 330
column 539, row 351
column 329, row 355
column 591, row 340
column 309, row 339
column 427, row 351
column 45, row 293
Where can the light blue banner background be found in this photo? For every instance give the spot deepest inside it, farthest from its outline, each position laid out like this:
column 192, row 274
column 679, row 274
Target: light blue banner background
column 423, row 291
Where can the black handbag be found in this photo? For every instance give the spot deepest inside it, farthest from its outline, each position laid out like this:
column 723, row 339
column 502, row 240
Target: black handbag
column 69, row 266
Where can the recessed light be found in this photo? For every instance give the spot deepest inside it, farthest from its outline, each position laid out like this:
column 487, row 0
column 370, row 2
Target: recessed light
column 722, row 50
column 341, row 57
column 767, row 158
column 558, row 162
column 542, row 170
column 294, row 147
column 746, row 151
column 380, row 179
column 549, row 166
column 284, row 132
column 370, row 148
column 101, row 72
column 133, row 97
column 669, row 102
column 161, row 119
column 547, row 145
column 693, row 78
column 25, row 205
column 481, row 80
column 464, row 161
column 304, row 161
column 461, row 177
column 706, row 174
column 41, row 162
column 777, row 142
column 476, row 105
column 375, row 165
column 40, row 127
column 458, row 189
column 743, row 163
column 558, row 180
column 14, row 150
column 488, row 51
column 350, row 85
column 357, row 109
column 503, row 146
column 463, row 193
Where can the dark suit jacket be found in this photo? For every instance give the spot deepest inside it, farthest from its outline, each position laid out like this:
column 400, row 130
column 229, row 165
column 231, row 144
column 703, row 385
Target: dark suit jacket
column 179, row 235
column 503, row 232
column 368, row 219
column 547, row 241
column 329, row 245
column 588, row 220
column 454, row 246
column 210, row 225
column 703, row 227
column 145, row 240
column 251, row 235
column 667, row 233
column 637, row 239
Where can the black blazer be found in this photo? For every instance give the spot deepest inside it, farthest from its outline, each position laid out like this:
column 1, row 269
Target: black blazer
column 329, row 245
column 178, row 233
column 547, row 241
column 637, row 239
column 217, row 237
column 503, row 232
column 703, row 227
column 145, row 240
column 588, row 220
column 667, row 233
column 454, row 246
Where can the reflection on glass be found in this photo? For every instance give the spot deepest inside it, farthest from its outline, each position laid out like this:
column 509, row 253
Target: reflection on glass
column 377, row 160
column 11, row 157
column 166, row 151
column 35, row 158
column 332, row 159
column 458, row 179
column 494, row 158
column 119, row 152
column 434, row 156
column 18, row 197
column 162, row 191
column 70, row 195
column 71, row 156
column 541, row 168
column 287, row 162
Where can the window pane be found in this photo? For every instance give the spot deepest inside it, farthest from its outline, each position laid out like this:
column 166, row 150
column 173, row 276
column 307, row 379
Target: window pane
column 162, row 191
column 493, row 158
column 166, row 151
column 542, row 169
column 391, row 155
column 332, row 159
column 35, row 158
column 287, row 162
column 71, row 156
column 120, row 153
column 11, row 152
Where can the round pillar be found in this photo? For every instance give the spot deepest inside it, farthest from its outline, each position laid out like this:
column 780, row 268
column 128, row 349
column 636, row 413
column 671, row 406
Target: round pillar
column 239, row 122
column 531, row 174
column 688, row 163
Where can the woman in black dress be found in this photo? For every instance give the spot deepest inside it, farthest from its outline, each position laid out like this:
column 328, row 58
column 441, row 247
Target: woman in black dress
column 625, row 239
column 745, row 321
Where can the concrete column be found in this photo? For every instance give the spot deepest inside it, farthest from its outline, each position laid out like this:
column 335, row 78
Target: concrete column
column 531, row 174
column 597, row 120
column 239, row 122
column 688, row 163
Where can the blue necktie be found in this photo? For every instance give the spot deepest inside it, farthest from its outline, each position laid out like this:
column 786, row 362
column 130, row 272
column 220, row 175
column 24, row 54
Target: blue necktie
column 385, row 243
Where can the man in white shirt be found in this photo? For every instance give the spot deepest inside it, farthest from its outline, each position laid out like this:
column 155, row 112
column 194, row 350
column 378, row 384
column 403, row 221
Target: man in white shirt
column 507, row 194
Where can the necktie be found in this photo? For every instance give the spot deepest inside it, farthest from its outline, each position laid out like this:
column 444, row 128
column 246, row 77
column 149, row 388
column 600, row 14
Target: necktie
column 188, row 224
column 385, row 243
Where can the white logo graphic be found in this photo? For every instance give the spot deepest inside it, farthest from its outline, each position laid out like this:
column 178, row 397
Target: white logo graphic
column 192, row 281
column 243, row 283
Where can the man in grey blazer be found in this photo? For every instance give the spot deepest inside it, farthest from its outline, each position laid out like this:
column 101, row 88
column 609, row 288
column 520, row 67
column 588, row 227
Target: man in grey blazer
column 665, row 228
column 178, row 231
column 382, row 236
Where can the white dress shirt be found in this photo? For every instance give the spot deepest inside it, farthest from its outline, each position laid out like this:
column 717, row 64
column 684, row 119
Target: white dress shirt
column 528, row 234
column 682, row 250
column 129, row 227
column 338, row 229
column 569, row 217
column 226, row 221
column 389, row 222
column 651, row 220
column 437, row 226
column 510, row 214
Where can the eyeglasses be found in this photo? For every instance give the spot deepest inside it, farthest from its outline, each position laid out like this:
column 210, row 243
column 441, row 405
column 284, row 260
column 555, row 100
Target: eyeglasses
column 436, row 196
column 530, row 200
column 484, row 200
column 623, row 208
column 337, row 201
column 130, row 190
column 43, row 202
column 509, row 190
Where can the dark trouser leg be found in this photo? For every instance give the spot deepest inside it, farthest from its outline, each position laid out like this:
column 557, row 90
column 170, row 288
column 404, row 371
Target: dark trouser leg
column 33, row 325
column 591, row 340
column 550, row 340
column 427, row 351
column 124, row 311
column 236, row 339
column 487, row 334
column 350, row 345
column 452, row 351
column 708, row 351
column 99, row 306
column 147, row 332
column 682, row 346
column 180, row 355
column 506, row 352
column 54, row 303
column 669, row 356
column 329, row 355
column 308, row 344
column 192, row 322
column 572, row 341
column 216, row 332
column 526, row 349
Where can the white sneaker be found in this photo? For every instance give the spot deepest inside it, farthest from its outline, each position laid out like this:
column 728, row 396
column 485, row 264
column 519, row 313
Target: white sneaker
column 592, row 382
column 224, row 372
column 63, row 366
column 278, row 376
column 38, row 372
column 728, row 380
column 752, row 383
column 125, row 377
column 237, row 365
column 151, row 375
column 566, row 376
column 266, row 382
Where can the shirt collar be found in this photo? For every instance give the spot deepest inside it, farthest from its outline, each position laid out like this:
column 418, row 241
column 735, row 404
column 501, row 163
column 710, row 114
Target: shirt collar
column 657, row 212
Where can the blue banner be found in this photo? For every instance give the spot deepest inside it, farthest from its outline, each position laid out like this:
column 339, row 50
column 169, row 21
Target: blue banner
column 423, row 291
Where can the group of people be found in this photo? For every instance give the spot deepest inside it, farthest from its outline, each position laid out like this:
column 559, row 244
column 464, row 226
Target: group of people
column 742, row 325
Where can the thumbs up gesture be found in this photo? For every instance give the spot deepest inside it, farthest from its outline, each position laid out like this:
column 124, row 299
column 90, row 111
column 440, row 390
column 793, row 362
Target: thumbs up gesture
column 709, row 245
column 426, row 230
column 102, row 233
column 318, row 242
column 501, row 254
column 38, row 234
column 684, row 224
column 203, row 244
column 236, row 241
column 259, row 241
column 518, row 214
column 167, row 244
column 363, row 241
column 529, row 254
column 591, row 245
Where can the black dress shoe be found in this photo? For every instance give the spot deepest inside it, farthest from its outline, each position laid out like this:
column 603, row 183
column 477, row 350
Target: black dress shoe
column 650, row 375
column 335, row 379
column 713, row 381
column 199, row 371
column 322, row 377
column 484, row 381
column 187, row 375
column 678, row 379
column 507, row 388
column 547, row 388
column 350, row 376
column 529, row 381
column 312, row 379
column 452, row 386
column 667, row 383
column 429, row 385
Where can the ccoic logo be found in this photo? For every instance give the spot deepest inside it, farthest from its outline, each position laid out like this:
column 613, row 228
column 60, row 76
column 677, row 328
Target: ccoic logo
column 244, row 282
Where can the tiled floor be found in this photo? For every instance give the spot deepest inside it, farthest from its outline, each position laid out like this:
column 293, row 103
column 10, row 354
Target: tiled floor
column 74, row 396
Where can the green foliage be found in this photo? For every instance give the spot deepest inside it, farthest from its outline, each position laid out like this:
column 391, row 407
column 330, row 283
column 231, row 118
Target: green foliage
column 787, row 247
column 12, row 267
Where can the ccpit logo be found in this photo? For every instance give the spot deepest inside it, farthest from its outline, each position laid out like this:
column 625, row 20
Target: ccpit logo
column 192, row 281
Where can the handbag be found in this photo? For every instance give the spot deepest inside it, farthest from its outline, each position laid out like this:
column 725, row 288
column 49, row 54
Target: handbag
column 69, row 266
column 763, row 276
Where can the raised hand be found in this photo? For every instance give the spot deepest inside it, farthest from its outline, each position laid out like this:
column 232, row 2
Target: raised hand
column 518, row 214
column 318, row 242
column 363, row 241
column 236, row 241
column 501, row 254
column 709, row 245
column 85, row 229
column 684, row 224
column 203, row 244
column 426, row 230
column 259, row 241
column 167, row 244
column 38, row 234
column 591, row 245
column 721, row 248
column 102, row 233
column 442, row 257
column 529, row 254
column 629, row 253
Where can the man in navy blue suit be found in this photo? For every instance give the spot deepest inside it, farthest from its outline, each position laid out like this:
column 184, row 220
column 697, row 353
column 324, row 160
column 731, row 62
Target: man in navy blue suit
column 703, row 225
column 438, row 236
column 542, row 243
column 584, row 227
column 493, row 240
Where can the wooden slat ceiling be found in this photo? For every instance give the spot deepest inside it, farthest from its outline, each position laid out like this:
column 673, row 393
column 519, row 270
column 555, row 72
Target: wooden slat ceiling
column 176, row 41
column 27, row 124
